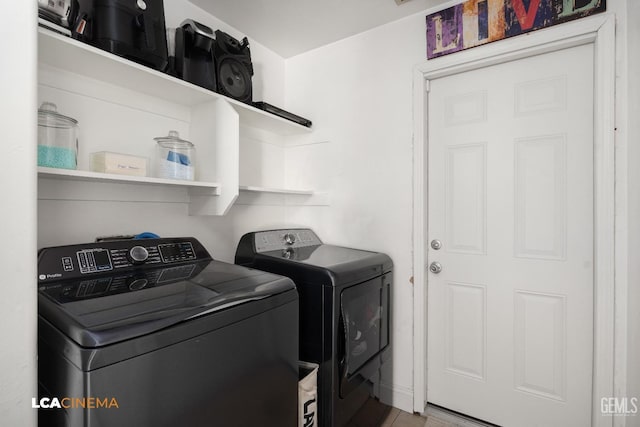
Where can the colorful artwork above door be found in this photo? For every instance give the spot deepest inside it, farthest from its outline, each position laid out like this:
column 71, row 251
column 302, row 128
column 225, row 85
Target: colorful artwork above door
column 477, row 22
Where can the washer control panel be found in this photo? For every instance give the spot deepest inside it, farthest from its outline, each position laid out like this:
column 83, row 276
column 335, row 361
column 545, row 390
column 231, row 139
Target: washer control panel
column 66, row 262
column 174, row 252
column 273, row 240
column 119, row 282
column 90, row 261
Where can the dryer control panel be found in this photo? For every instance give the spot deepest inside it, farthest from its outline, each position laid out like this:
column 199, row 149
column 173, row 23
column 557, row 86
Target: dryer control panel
column 68, row 262
column 273, row 240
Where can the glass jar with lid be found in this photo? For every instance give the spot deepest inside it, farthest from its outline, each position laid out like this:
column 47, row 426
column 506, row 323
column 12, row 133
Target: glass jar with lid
column 175, row 157
column 57, row 138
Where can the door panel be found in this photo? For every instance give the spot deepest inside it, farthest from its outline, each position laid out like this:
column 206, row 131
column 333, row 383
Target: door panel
column 466, row 198
column 466, row 330
column 540, row 324
column 510, row 195
column 541, row 197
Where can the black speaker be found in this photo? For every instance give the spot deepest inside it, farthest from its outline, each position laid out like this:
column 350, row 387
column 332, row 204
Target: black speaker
column 233, row 67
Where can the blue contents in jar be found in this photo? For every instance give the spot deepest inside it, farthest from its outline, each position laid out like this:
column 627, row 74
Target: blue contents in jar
column 180, row 158
column 56, row 157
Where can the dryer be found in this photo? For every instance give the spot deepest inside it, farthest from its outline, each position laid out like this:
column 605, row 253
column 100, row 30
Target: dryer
column 345, row 312
column 165, row 332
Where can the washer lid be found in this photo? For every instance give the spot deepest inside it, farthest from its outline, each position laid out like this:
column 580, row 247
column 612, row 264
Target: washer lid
column 104, row 310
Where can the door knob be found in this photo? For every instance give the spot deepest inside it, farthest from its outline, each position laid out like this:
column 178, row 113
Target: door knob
column 435, row 267
column 436, row 244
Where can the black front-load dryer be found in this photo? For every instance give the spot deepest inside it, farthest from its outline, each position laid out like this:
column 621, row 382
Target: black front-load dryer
column 345, row 312
column 157, row 333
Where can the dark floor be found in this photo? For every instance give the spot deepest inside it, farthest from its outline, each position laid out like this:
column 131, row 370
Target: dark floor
column 376, row 414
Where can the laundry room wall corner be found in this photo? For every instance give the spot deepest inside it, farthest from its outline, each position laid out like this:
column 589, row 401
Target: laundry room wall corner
column 359, row 93
column 633, row 208
column 18, row 253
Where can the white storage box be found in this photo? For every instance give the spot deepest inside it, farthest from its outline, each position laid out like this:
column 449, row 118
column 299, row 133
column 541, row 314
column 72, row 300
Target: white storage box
column 121, row 164
column 307, row 394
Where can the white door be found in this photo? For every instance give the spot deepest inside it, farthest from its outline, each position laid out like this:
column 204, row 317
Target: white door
column 510, row 198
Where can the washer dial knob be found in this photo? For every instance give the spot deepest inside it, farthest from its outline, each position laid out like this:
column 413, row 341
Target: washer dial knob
column 138, row 254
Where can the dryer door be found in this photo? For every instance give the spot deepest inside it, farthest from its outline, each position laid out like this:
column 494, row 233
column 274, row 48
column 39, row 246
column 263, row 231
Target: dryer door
column 364, row 322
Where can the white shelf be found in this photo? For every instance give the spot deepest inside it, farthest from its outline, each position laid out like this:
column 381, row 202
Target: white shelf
column 255, row 189
column 65, row 53
column 80, row 175
column 214, row 121
column 268, row 196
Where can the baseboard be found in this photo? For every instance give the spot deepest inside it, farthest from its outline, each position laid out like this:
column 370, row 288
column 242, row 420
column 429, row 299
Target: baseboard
column 397, row 396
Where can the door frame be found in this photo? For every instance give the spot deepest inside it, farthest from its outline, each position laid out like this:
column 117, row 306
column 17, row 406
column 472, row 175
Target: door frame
column 598, row 30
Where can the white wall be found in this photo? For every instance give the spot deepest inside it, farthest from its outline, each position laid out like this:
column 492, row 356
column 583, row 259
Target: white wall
column 633, row 162
column 627, row 368
column 358, row 93
column 18, row 253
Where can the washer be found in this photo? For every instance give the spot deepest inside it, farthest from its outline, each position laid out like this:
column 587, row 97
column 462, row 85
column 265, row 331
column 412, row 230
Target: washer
column 170, row 335
column 345, row 311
